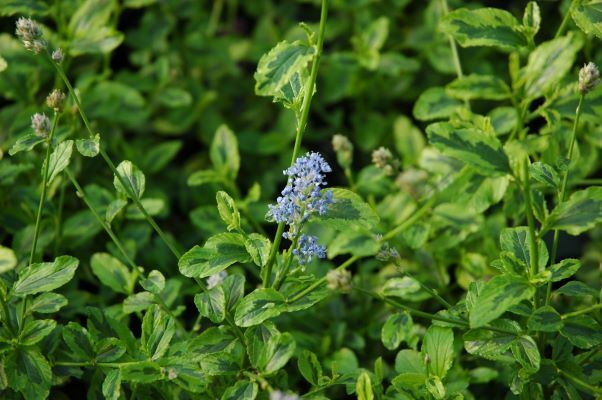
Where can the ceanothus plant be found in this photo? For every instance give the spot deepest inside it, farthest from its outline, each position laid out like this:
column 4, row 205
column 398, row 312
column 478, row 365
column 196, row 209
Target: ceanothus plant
column 438, row 271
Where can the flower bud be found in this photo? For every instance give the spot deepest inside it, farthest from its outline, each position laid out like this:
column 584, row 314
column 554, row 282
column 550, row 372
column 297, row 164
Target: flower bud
column 589, row 78
column 339, row 280
column 57, row 56
column 40, row 124
column 31, row 35
column 383, row 159
column 55, row 100
column 344, row 150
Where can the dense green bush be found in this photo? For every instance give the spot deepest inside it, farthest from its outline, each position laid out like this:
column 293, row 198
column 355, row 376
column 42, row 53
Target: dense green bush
column 434, row 236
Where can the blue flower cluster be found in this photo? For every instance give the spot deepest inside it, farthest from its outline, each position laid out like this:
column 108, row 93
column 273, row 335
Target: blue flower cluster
column 301, row 198
column 307, row 248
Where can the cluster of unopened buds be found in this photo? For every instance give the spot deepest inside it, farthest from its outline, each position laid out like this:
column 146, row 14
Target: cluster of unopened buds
column 383, row 159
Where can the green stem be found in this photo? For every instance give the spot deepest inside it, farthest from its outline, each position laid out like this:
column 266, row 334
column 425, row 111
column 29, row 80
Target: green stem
column 101, row 221
column 588, row 182
column 425, row 208
column 454, row 51
column 562, row 194
column 580, row 312
column 59, row 222
column 531, row 223
column 107, row 159
column 592, row 389
column 36, row 232
column 301, row 124
column 565, row 20
column 281, row 274
column 216, row 13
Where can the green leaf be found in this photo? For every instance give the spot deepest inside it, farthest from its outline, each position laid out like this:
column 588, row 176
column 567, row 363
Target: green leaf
column 138, row 302
column 47, row 303
column 227, row 210
column 160, row 155
column 276, row 68
column 26, row 143
column 203, row 177
column 112, row 273
column 577, row 289
column 587, row 14
column 411, row 369
column 141, row 372
column 234, row 290
column 564, row 269
column 45, row 277
column 59, row 160
column 90, row 29
column 212, row 304
column 23, row 7
column 109, row 349
column 310, row 367
column 435, row 103
column 347, row 210
column 8, row 259
column 363, row 387
column 114, row 208
column 79, row 341
column 492, row 344
column 174, row 97
column 474, row 86
column 154, row 283
column 152, row 206
column 438, row 344
column 242, row 390
column 549, row 63
column 218, row 253
column 88, row 147
column 258, row 246
column 545, row 319
column 111, row 386
column 583, row 331
column 545, row 174
column 497, row 296
column 158, row 328
column 224, row 153
column 518, row 242
column 396, row 329
column 132, row 177
column 475, row 147
column 409, row 140
column 580, row 213
column 258, row 306
column 532, row 19
column 526, row 353
column 28, row 372
column 36, row 330
column 279, row 350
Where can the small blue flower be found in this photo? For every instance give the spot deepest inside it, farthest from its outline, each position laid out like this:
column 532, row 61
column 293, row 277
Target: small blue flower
column 307, row 248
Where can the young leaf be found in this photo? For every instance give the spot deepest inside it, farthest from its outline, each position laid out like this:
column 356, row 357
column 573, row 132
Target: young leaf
column 212, row 304
column 45, row 277
column 396, row 329
column 112, row 273
column 586, row 15
column 544, row 174
column 532, row 18
column 310, row 367
column 224, row 153
column 518, row 242
column 8, row 260
column 475, row 86
column 581, row 212
column 484, row 27
column 59, row 160
column 363, row 387
column 36, row 330
column 475, row 147
column 545, row 319
column 158, row 329
column 258, row 306
column 438, row 345
column 548, row 64
column 564, row 269
column 132, row 177
column 497, row 296
column 435, row 103
column 242, row 390
column 154, row 283
column 279, row 65
column 228, row 210
column 218, row 253
column 111, row 386
column 258, row 246
column 88, row 147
